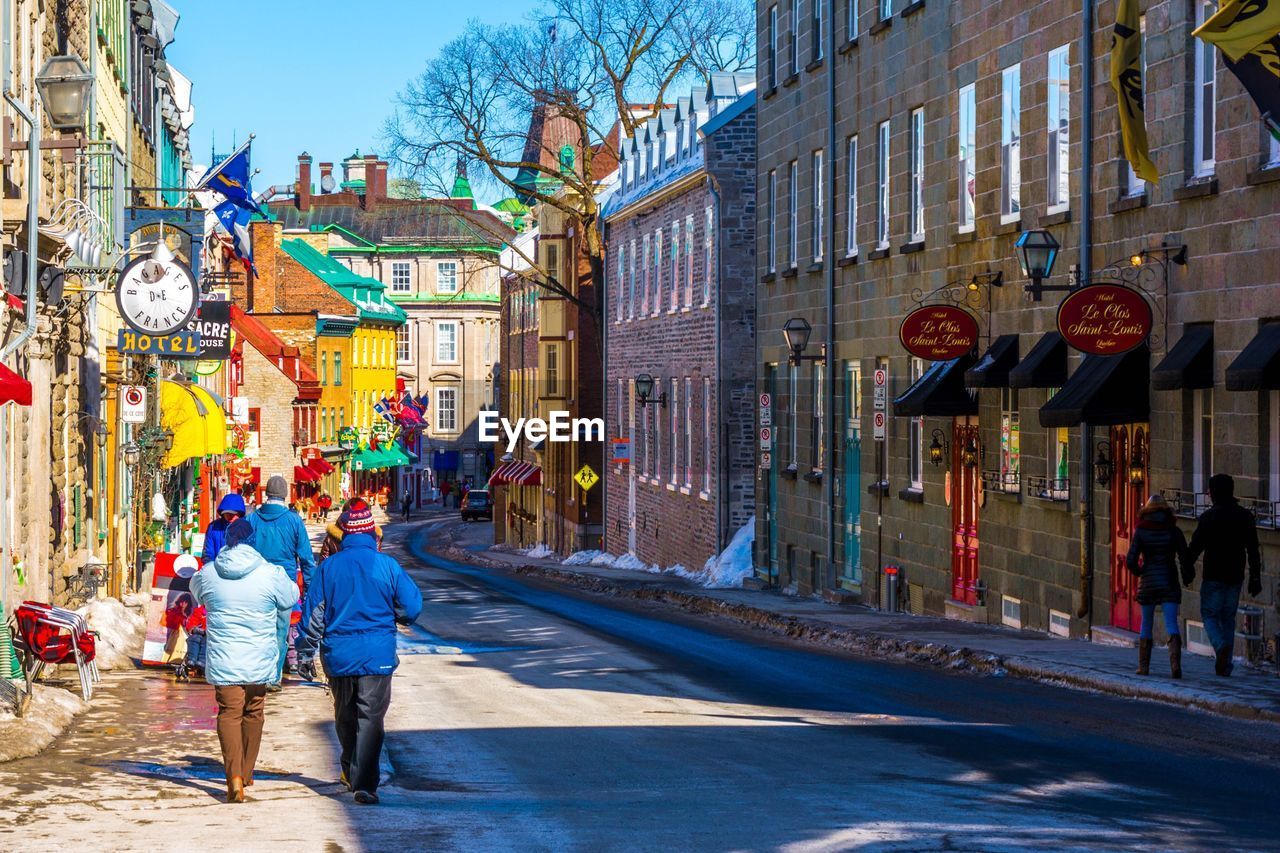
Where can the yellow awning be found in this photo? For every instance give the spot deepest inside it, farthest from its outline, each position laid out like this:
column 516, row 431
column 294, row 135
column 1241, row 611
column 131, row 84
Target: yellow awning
column 199, row 427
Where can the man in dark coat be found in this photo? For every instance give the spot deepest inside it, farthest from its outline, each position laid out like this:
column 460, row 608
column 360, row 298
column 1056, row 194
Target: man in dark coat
column 1155, row 552
column 1226, row 535
column 355, row 600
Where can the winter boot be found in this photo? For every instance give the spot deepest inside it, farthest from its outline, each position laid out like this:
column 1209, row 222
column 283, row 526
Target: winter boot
column 1222, row 662
column 235, row 790
column 1175, row 656
column 1144, row 657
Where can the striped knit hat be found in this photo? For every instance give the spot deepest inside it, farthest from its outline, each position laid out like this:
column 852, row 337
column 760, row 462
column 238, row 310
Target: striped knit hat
column 359, row 518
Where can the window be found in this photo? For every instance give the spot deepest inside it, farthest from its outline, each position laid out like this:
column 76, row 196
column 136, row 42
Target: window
column 1202, row 439
column 966, row 140
column 676, row 267
column 402, row 343
column 617, row 430
column 793, row 214
column 818, row 200
column 551, row 370
column 657, row 271
column 818, row 439
column 688, row 261
column 1010, row 441
column 1273, row 480
column 1134, row 185
column 772, row 249
column 688, row 433
column 773, row 46
column 795, row 36
column 447, row 274
column 645, row 427
column 915, row 442
column 631, row 283
column 621, row 278
column 793, row 417
column 1273, row 146
column 401, row 273
column 1205, row 95
column 917, row 175
column 644, row 276
column 886, row 9
column 707, row 448
column 816, row 51
column 851, row 192
column 447, row 341
column 851, row 19
column 675, row 431
column 631, row 424
column 657, row 437
column 446, row 410
column 337, row 368
column 708, row 259
column 1011, row 142
column 882, row 187
column 1059, row 101
column 324, row 368
column 1059, row 461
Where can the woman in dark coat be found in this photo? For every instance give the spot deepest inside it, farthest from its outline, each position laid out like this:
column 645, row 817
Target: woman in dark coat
column 1156, row 552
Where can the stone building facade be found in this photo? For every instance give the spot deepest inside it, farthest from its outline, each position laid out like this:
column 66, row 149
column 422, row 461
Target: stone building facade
column 963, row 123
column 680, row 311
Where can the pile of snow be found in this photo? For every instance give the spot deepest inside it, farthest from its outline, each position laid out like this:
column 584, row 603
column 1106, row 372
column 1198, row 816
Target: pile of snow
column 538, row 552
column 121, row 631
column 50, row 712
column 725, row 570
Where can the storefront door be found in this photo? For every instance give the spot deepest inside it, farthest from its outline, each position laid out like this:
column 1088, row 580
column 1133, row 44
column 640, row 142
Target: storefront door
column 852, row 475
column 1128, row 493
column 966, row 484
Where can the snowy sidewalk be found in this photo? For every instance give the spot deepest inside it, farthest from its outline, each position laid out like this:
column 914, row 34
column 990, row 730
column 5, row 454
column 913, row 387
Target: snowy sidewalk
column 1249, row 693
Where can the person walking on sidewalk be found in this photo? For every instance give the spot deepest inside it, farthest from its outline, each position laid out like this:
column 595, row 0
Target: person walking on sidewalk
column 1155, row 554
column 323, row 504
column 244, row 596
column 406, row 502
column 1226, row 535
column 230, row 508
column 283, row 541
column 350, row 614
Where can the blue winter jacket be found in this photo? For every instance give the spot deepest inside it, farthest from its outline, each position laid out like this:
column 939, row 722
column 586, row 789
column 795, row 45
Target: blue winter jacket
column 281, row 538
column 245, row 598
column 216, row 536
column 352, row 608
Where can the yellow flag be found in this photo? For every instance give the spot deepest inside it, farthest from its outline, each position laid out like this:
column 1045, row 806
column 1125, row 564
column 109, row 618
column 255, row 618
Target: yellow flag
column 1126, row 79
column 1240, row 26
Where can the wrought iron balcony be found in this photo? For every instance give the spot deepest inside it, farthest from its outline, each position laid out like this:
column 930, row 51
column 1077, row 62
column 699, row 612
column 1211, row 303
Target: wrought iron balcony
column 1003, row 482
column 1048, row 488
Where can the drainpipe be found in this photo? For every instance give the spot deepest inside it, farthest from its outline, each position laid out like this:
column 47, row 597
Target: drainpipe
column 722, row 449
column 829, row 274
column 1085, row 610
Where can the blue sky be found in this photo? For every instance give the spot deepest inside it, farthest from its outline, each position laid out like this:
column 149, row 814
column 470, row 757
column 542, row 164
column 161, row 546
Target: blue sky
column 313, row 75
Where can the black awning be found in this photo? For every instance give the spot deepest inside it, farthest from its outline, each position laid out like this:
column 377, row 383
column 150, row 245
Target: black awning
column 1190, row 363
column 1257, row 367
column 1105, row 390
column 940, row 392
column 1044, row 367
column 992, row 370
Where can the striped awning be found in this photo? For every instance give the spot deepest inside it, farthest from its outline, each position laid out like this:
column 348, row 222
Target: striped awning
column 516, row 473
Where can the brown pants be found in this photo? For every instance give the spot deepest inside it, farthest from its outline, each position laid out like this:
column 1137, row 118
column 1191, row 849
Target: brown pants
column 240, row 711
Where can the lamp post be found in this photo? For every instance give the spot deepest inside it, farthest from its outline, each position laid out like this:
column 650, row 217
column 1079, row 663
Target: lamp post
column 132, row 454
column 644, row 391
column 938, row 448
column 796, row 331
column 1102, row 464
column 1037, row 251
column 64, row 83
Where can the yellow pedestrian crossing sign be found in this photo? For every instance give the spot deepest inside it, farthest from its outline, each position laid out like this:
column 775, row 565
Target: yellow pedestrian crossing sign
column 586, row 478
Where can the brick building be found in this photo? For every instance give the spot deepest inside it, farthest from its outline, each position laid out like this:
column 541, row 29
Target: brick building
column 680, row 227
column 963, row 125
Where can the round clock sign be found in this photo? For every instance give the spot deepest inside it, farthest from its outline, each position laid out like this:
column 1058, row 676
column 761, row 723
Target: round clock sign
column 157, row 297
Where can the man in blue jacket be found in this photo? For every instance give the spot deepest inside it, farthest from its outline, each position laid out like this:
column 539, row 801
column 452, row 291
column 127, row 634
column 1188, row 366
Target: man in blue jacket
column 282, row 540
column 230, row 508
column 350, row 614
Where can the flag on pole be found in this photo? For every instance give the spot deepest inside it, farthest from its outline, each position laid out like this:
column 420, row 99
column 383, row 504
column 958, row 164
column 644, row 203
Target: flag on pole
column 1126, row 79
column 1248, row 34
column 232, row 179
column 235, row 220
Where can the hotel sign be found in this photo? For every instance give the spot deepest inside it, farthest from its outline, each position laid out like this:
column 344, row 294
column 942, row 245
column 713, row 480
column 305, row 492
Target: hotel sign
column 938, row 332
column 1104, row 319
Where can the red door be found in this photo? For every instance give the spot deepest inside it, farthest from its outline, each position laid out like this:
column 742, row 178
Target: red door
column 966, row 484
column 1128, row 493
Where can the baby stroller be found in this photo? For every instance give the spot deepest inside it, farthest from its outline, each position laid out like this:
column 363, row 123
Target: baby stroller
column 197, row 642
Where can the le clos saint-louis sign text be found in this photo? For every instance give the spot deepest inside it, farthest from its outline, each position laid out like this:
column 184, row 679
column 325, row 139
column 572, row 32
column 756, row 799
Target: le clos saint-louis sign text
column 938, row 332
column 1104, row 319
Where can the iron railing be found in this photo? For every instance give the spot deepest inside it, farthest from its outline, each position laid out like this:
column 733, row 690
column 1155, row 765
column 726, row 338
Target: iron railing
column 1002, row 482
column 1048, row 488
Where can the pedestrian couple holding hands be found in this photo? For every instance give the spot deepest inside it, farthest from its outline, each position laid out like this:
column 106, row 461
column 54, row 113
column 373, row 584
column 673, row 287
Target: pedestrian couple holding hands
column 351, row 604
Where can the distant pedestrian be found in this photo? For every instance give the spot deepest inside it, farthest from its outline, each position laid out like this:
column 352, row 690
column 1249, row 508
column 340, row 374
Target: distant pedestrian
column 350, row 614
column 244, row 597
column 1227, row 535
column 1157, row 550
column 406, row 502
column 230, row 508
column 282, row 540
column 323, row 504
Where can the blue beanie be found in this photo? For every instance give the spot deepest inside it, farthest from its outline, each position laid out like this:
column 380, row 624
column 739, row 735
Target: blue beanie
column 240, row 532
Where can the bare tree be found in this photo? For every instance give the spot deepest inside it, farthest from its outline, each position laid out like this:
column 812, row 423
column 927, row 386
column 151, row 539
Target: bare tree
column 592, row 69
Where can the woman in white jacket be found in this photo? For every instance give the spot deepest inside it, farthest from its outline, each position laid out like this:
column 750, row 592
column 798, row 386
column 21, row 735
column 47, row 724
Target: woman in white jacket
column 247, row 599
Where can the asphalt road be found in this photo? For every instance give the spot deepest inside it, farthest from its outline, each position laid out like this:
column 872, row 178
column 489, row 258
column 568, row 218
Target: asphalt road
column 529, row 717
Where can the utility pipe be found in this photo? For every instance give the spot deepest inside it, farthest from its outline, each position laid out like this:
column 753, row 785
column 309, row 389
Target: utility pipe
column 829, row 274
column 1085, row 610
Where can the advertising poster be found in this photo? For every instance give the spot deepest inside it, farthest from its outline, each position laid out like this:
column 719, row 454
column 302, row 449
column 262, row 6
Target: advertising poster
column 170, row 609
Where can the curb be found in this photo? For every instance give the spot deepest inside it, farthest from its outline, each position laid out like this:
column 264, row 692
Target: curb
column 875, row 644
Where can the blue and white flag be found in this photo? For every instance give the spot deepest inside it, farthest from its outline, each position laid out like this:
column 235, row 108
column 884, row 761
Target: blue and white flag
column 236, row 220
column 231, row 178
column 383, row 408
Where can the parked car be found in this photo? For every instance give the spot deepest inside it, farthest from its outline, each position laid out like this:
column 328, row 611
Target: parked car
column 476, row 505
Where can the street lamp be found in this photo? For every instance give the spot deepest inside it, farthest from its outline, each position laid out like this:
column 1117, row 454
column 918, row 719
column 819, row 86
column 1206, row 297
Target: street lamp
column 1137, row 468
column 132, row 454
column 796, row 331
column 938, row 449
column 1102, row 465
column 971, row 455
column 644, row 391
column 1037, row 250
column 64, row 83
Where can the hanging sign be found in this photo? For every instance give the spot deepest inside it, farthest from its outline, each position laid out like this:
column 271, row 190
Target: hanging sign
column 213, row 324
column 938, row 332
column 1104, row 319
column 174, row 345
column 133, row 404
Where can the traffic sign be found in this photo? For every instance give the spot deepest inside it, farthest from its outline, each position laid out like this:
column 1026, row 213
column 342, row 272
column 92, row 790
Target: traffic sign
column 766, row 459
column 586, row 478
column 621, row 451
column 766, row 410
column 880, row 397
column 877, row 426
column 766, row 438
column 133, row 404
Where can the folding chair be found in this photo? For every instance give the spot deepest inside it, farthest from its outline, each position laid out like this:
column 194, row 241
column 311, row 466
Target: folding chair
column 41, row 639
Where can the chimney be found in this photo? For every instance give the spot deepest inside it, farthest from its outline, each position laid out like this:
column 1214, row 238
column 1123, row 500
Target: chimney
column 371, row 177
column 326, row 171
column 302, row 196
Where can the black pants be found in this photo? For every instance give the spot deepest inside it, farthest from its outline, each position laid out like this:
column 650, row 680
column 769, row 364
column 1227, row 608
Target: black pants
column 359, row 704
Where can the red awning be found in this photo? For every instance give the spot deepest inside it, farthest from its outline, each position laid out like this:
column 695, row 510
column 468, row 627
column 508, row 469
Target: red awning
column 13, row 388
column 320, row 466
column 304, row 475
column 528, row 475
column 499, row 475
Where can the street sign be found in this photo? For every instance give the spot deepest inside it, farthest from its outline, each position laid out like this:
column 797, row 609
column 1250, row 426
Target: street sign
column 880, row 398
column 766, row 459
column 877, row 426
column 133, row 404
column 586, row 478
column 766, row 438
column 621, row 451
column 766, row 410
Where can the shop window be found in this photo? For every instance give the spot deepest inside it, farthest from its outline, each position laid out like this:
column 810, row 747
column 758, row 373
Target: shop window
column 1010, row 441
column 915, row 438
column 1201, row 439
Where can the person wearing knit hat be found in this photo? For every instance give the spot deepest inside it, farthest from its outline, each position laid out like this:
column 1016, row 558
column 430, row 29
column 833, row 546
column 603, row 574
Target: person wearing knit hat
column 352, row 607
column 283, row 541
